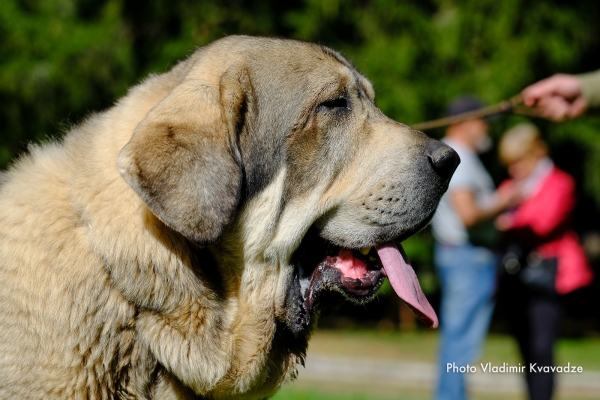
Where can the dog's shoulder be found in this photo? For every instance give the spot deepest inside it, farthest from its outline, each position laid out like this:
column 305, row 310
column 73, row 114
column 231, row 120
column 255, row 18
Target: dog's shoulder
column 66, row 218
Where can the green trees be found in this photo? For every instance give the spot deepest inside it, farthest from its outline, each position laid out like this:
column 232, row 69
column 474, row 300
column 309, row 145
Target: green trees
column 59, row 60
column 62, row 59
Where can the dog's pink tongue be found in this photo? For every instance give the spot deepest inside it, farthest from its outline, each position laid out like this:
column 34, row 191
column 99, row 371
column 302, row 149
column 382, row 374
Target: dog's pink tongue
column 405, row 283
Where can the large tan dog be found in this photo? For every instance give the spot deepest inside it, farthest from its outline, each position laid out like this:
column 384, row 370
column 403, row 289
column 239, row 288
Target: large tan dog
column 180, row 244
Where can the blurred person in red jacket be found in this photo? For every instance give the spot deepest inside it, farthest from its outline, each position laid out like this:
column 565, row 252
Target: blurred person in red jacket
column 544, row 259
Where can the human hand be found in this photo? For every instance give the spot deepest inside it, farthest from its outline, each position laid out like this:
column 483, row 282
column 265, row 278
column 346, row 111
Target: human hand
column 509, row 195
column 558, row 97
column 504, row 222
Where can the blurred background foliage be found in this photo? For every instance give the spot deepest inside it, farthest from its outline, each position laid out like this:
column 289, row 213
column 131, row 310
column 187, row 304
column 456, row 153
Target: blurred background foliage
column 63, row 59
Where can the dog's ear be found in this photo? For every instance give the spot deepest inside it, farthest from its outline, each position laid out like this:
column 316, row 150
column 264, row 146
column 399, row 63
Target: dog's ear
column 183, row 159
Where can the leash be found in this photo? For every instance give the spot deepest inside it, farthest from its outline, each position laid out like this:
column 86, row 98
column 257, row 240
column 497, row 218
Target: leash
column 514, row 105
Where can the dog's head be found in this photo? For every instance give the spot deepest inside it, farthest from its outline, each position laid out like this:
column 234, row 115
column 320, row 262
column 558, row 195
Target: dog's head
column 274, row 150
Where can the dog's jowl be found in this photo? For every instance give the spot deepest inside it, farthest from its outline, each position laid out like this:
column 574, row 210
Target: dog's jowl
column 181, row 244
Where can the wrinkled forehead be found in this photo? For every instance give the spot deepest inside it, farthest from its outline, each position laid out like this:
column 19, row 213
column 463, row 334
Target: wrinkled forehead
column 357, row 78
column 310, row 68
column 274, row 64
column 309, row 74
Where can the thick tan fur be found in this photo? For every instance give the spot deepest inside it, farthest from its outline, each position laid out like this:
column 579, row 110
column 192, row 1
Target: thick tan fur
column 136, row 260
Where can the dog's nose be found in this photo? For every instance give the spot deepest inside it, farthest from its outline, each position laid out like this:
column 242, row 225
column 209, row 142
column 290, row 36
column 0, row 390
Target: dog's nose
column 443, row 159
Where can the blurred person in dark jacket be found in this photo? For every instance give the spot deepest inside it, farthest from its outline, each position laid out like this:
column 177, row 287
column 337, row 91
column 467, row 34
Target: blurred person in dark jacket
column 465, row 263
column 544, row 259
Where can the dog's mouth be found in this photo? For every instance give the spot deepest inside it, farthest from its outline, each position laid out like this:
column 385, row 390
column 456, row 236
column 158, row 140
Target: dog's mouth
column 324, row 271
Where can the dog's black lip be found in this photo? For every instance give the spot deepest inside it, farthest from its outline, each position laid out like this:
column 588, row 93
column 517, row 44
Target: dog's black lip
column 327, row 277
column 318, row 284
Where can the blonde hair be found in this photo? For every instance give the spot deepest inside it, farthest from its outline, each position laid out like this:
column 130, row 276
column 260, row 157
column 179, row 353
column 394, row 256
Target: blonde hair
column 520, row 141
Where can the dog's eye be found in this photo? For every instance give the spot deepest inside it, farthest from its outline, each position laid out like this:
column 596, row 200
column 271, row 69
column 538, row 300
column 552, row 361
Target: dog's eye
column 331, row 105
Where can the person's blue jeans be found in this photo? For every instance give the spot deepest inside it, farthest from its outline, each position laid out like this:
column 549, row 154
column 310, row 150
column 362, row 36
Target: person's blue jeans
column 468, row 280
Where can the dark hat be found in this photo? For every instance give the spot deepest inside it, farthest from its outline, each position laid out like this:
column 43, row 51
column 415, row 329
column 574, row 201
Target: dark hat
column 462, row 105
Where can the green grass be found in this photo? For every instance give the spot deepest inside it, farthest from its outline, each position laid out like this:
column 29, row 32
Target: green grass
column 420, row 346
column 375, row 344
column 584, row 352
column 292, row 392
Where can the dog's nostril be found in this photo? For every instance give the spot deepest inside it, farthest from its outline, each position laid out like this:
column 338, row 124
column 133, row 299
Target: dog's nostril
column 443, row 159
